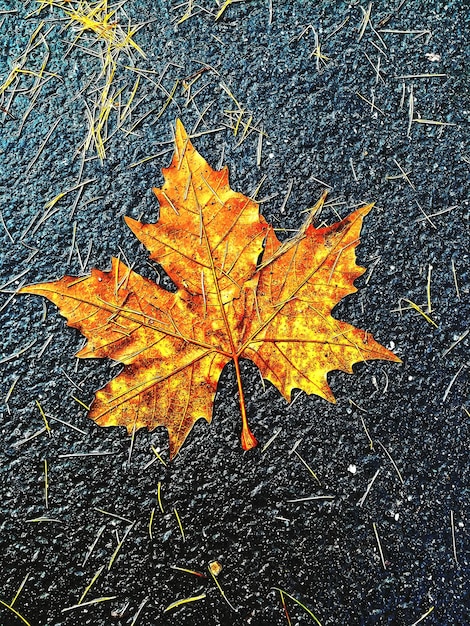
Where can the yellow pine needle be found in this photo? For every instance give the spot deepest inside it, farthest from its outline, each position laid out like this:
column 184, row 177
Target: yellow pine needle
column 18, row 615
column 60, row 195
column 188, row 571
column 81, row 403
column 245, row 129
column 97, row 19
column 307, row 466
column 9, row 79
column 179, row 523
column 43, row 4
column 43, row 415
column 10, row 391
column 20, row 589
column 284, row 606
column 37, row 74
column 152, row 514
column 178, row 603
column 222, row 592
column 365, row 20
column 109, row 80
column 157, row 454
column 428, row 612
column 370, row 103
column 318, row 53
column 159, row 496
column 188, row 12
column 21, row 60
column 421, row 120
column 93, row 545
column 308, row 611
column 90, row 585
column 100, row 125
column 225, row 5
column 103, row 22
column 91, row 129
column 91, row 21
column 100, row 146
column 119, row 546
column 420, row 311
column 55, row 200
column 43, row 66
column 35, row 33
column 230, row 94
column 144, row 160
column 239, row 120
column 128, row 41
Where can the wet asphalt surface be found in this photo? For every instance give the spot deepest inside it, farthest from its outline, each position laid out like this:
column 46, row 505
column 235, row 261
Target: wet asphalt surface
column 385, row 539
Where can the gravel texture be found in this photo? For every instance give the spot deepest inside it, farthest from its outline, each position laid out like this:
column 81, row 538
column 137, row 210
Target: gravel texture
column 303, row 72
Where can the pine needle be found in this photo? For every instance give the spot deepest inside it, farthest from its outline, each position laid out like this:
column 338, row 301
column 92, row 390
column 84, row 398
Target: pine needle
column 178, row 603
column 179, row 524
column 90, row 585
column 222, row 592
column 420, row 311
column 307, row 610
column 18, row 615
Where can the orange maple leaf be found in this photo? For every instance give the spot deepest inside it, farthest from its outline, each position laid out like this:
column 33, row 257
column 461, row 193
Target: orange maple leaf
column 228, row 305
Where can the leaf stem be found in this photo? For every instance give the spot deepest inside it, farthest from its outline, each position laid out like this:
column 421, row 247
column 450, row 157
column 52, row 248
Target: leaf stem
column 248, row 440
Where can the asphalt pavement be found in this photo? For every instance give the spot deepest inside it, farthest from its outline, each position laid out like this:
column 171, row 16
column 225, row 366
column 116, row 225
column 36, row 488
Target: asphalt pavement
column 368, row 100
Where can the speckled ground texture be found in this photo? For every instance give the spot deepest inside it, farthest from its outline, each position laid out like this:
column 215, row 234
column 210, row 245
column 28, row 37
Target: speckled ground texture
column 236, row 507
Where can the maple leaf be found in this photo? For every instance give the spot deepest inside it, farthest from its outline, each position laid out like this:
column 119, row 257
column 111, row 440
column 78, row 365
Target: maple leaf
column 228, row 305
